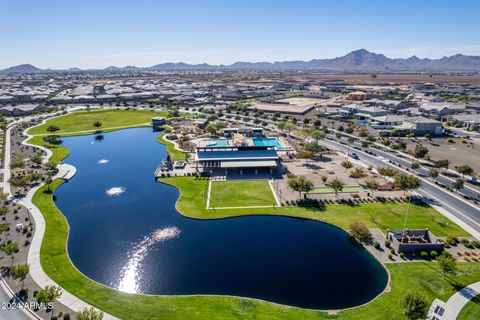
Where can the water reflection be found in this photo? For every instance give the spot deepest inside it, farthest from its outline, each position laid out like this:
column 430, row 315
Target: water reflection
column 115, row 191
column 131, row 273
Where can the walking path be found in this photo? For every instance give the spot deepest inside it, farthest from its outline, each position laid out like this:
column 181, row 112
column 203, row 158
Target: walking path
column 65, row 171
column 451, row 309
column 7, row 157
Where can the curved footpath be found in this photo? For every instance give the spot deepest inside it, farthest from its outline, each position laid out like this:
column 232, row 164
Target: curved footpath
column 455, row 304
column 66, row 172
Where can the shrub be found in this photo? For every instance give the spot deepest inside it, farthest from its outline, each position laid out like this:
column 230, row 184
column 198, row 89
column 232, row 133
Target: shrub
column 450, row 241
column 433, row 254
column 376, row 245
column 402, row 255
column 469, row 245
column 390, row 256
column 476, row 243
column 424, row 254
column 387, row 243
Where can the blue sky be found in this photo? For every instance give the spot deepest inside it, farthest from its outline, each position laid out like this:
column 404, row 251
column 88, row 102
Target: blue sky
column 87, row 33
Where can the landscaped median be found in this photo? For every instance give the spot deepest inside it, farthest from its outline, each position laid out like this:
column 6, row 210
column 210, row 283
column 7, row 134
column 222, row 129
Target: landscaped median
column 424, row 277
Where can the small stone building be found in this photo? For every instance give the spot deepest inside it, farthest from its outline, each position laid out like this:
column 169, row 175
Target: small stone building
column 408, row 241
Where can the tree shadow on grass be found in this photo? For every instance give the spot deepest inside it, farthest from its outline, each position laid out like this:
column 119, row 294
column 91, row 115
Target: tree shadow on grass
column 453, row 282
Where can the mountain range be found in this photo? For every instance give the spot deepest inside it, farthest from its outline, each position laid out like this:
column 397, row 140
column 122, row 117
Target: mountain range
column 355, row 61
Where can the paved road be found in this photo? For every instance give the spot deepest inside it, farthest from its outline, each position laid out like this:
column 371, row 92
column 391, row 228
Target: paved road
column 469, row 214
column 10, row 314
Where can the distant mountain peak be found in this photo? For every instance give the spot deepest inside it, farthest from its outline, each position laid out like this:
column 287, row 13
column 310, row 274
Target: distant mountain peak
column 360, row 60
column 22, row 68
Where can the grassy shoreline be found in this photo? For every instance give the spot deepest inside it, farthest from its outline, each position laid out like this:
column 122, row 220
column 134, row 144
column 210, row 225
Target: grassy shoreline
column 423, row 277
column 383, row 216
column 175, row 154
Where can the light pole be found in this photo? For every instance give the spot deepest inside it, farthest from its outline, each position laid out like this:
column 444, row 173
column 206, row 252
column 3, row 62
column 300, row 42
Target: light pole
column 406, row 216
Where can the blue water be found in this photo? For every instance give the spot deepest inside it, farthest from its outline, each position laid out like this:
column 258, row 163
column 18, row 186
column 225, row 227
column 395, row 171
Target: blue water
column 268, row 142
column 216, row 143
column 138, row 242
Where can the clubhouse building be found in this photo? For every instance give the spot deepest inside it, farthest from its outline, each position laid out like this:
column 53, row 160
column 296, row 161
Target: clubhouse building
column 239, row 151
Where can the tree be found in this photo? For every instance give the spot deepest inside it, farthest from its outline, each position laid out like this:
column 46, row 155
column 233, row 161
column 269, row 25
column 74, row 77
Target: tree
column 433, row 173
column 20, row 271
column 447, row 263
column 465, row 170
column 53, row 128
column 289, row 127
column 313, row 133
column 358, row 173
column 314, row 147
column 36, row 158
column 346, row 164
column 359, row 231
column 97, row 124
column 10, row 248
column 386, row 172
column 281, row 125
column 17, row 162
column 373, row 75
column 89, row 314
column 363, row 133
column 49, row 183
column 458, row 184
column 48, row 295
column 407, row 182
column 420, row 152
column 211, row 128
column 414, row 306
column 52, row 139
column 336, row 184
column 300, row 184
column 372, row 185
column 441, row 164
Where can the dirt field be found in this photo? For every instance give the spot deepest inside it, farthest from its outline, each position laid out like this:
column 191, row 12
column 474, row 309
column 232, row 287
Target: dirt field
column 300, row 101
column 458, row 153
column 285, row 108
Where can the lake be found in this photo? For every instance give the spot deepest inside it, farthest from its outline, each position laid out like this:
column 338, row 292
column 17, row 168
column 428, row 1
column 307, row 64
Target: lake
column 126, row 233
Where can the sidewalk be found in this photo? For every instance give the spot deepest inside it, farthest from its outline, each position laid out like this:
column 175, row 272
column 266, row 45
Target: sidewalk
column 65, row 171
column 451, row 309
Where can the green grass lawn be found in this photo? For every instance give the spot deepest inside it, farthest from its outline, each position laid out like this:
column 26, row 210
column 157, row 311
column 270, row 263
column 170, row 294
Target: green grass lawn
column 174, row 153
column 59, row 152
column 471, row 311
column 383, row 216
column 241, row 193
column 330, row 190
column 83, row 121
column 422, row 277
